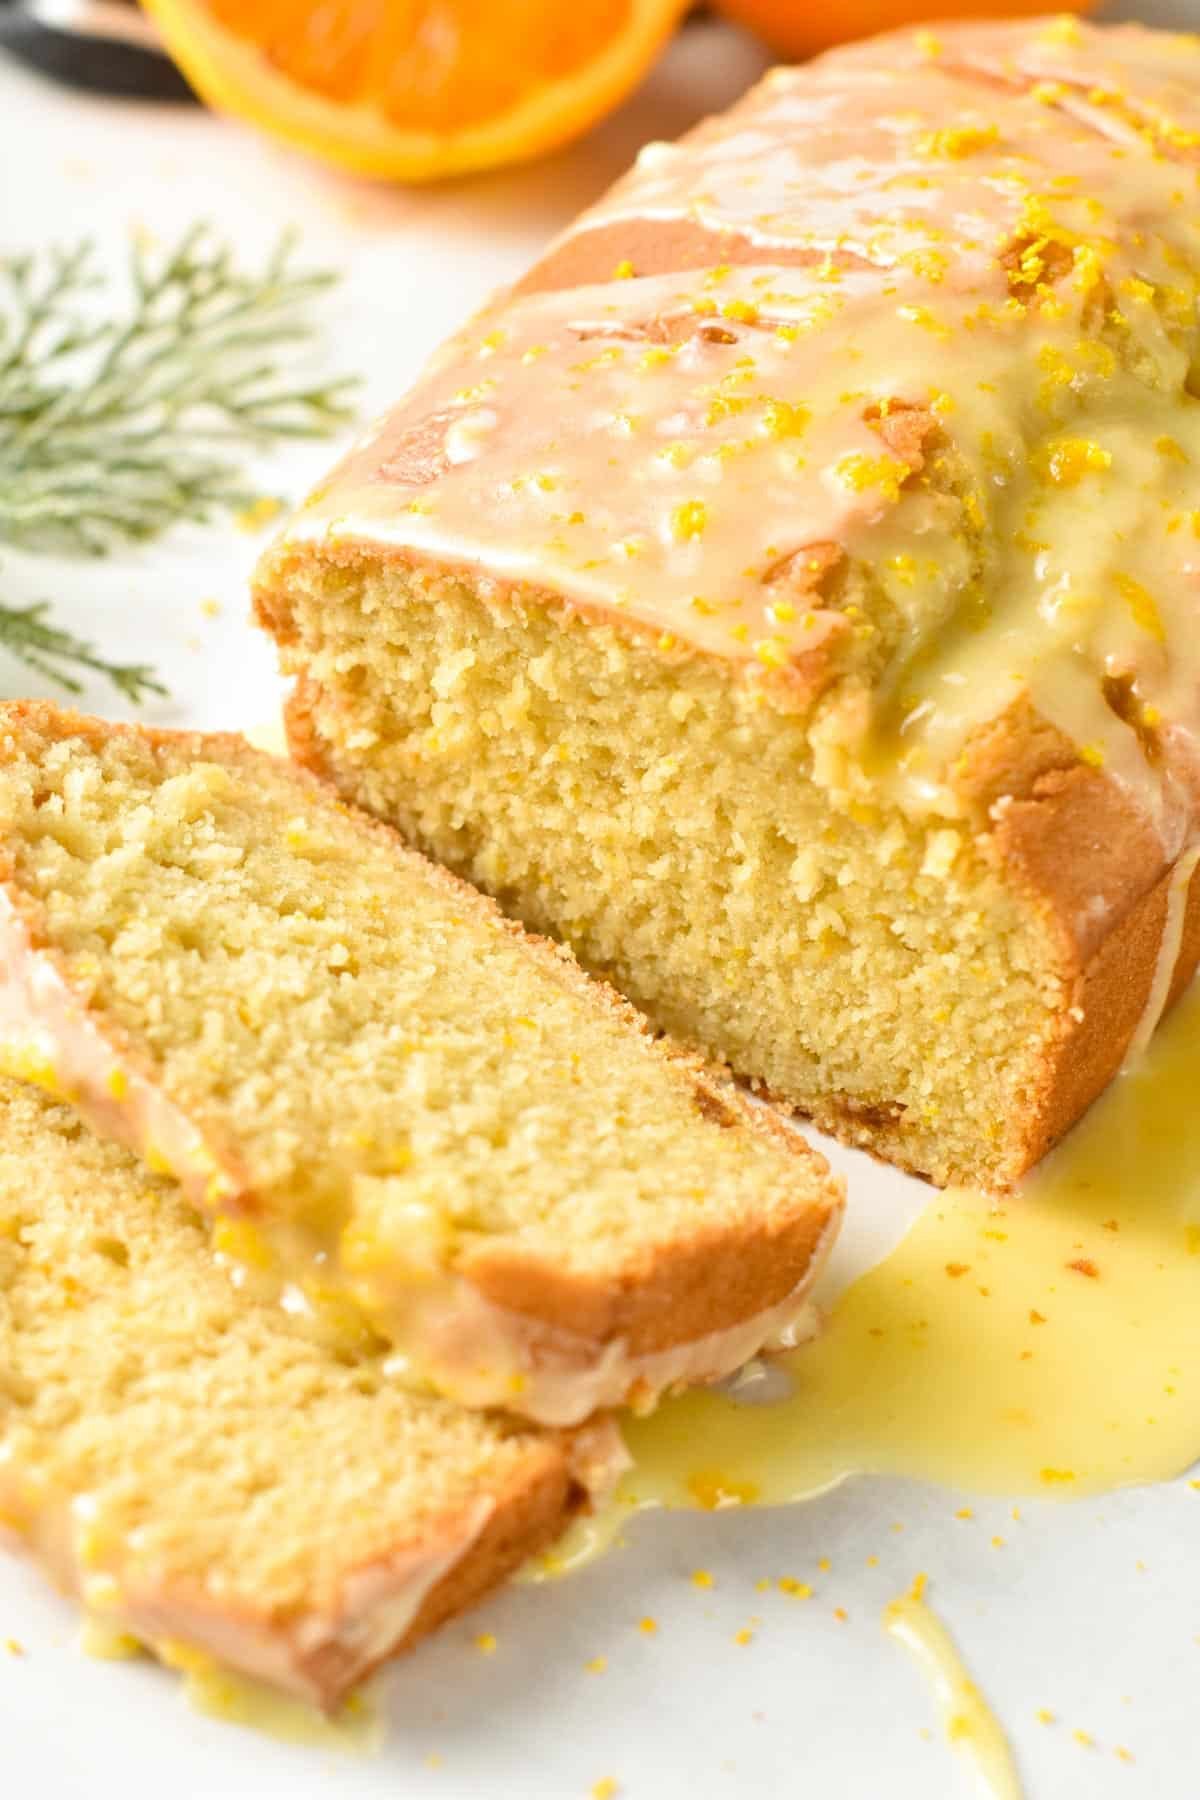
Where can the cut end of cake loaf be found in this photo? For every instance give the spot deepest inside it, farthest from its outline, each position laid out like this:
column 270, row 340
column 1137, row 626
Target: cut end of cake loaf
column 405, row 1113
column 665, row 821
column 948, row 993
column 204, row 1471
column 786, row 595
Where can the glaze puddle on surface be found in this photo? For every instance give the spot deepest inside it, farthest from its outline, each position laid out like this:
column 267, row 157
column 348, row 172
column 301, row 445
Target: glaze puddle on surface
column 357, row 1728
column 209, row 1687
column 1049, row 1345
column 971, row 1726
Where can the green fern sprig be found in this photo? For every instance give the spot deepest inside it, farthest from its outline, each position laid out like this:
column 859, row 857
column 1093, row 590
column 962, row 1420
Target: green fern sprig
column 120, row 418
column 26, row 634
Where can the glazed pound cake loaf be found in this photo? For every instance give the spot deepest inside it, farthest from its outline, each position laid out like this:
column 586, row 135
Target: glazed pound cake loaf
column 401, row 1110
column 788, row 594
column 212, row 1475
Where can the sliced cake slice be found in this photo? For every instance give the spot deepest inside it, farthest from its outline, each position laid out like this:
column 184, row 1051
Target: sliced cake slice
column 210, row 1473
column 397, row 1104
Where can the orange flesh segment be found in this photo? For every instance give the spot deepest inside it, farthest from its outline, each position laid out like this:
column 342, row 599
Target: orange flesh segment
column 427, row 64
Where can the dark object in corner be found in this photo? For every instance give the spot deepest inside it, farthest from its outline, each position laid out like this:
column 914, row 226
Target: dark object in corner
column 107, row 46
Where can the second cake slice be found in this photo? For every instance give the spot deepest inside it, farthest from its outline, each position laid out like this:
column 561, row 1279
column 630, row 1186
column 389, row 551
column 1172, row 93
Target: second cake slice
column 396, row 1103
column 234, row 1487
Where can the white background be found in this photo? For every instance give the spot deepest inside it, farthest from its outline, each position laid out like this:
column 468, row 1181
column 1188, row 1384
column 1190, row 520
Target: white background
column 1091, row 1610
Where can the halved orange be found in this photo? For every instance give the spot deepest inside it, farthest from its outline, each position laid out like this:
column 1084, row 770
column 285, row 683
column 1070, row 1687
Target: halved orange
column 413, row 89
column 795, row 28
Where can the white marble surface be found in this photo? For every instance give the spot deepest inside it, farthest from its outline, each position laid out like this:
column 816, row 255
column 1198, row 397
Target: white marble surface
column 1092, row 1610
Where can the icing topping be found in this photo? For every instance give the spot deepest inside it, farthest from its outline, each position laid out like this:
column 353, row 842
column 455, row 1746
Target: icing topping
column 891, row 406
column 482, row 1354
column 1170, row 945
column 449, row 1337
column 93, row 1551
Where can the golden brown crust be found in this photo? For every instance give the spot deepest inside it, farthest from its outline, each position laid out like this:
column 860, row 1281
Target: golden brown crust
column 529, row 1513
column 1068, row 838
column 1107, row 999
column 1065, row 830
column 526, row 1520
column 679, row 1292
column 1111, row 991
column 652, row 247
column 319, row 1652
column 1094, row 866
column 674, row 1293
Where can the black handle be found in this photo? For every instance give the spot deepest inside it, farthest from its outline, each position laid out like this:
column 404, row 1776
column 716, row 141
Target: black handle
column 108, row 47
